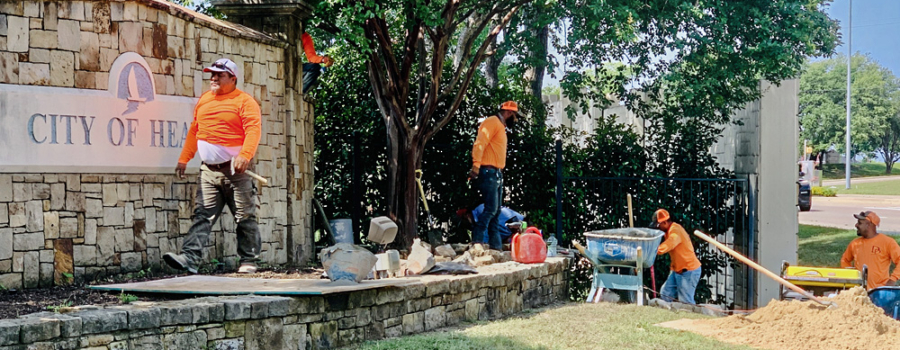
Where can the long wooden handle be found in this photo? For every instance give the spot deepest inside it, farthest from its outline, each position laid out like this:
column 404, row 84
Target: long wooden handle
column 759, row 268
column 630, row 216
column 255, row 176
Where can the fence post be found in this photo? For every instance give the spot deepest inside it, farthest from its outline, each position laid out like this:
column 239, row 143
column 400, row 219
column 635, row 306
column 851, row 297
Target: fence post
column 559, row 184
column 356, row 192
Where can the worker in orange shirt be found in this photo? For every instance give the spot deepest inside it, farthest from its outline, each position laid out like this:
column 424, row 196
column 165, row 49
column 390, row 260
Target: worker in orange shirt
column 874, row 250
column 225, row 132
column 313, row 68
column 685, row 269
column 488, row 161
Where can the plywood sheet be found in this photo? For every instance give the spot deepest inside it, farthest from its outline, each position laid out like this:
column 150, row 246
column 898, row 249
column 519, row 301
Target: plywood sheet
column 215, row 285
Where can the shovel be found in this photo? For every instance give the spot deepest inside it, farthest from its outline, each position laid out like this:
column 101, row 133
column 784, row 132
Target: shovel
column 434, row 237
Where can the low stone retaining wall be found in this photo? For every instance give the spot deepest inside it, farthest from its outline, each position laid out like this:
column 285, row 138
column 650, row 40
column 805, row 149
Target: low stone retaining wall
column 309, row 322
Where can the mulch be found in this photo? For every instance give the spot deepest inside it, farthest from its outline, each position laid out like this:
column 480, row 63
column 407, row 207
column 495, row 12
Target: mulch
column 14, row 303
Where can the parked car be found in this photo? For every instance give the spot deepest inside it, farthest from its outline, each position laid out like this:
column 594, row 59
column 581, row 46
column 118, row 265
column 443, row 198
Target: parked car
column 804, row 194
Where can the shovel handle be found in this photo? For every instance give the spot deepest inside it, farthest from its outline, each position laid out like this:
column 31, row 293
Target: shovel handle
column 256, row 176
column 759, row 268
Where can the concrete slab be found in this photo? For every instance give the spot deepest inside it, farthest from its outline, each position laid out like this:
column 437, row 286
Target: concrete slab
column 214, row 285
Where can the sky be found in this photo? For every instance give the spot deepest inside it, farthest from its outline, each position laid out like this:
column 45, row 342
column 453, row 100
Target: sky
column 876, row 32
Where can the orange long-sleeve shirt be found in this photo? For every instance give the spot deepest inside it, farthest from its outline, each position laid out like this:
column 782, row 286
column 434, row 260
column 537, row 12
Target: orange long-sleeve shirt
column 877, row 253
column 229, row 120
column 681, row 250
column 490, row 145
column 310, row 49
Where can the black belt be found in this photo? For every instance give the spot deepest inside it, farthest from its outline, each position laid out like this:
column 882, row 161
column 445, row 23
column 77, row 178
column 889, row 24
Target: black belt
column 219, row 167
column 490, row 167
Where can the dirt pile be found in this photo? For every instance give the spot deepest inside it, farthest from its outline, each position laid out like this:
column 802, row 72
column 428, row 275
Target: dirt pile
column 855, row 324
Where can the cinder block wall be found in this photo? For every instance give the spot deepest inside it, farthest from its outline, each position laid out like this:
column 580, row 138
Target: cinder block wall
column 54, row 226
column 313, row 322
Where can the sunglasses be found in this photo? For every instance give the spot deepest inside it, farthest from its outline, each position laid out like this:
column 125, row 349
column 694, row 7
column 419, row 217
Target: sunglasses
column 220, row 65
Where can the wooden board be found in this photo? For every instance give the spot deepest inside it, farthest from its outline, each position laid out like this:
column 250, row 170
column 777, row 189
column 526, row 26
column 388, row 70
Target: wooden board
column 214, row 285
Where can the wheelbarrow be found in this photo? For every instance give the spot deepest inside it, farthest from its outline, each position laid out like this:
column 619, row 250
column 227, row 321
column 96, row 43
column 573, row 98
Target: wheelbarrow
column 627, row 249
column 888, row 299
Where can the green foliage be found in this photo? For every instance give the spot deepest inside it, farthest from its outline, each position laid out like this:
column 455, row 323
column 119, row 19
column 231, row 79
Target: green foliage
column 59, row 307
column 125, row 298
column 874, row 111
column 823, row 191
column 344, row 106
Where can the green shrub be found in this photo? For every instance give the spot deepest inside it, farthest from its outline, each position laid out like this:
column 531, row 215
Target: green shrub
column 823, row 191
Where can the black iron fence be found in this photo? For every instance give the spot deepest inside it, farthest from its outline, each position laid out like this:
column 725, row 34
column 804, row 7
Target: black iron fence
column 722, row 208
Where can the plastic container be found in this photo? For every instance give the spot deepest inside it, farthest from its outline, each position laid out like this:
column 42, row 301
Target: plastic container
column 342, row 229
column 382, row 230
column 551, row 246
column 888, row 299
column 529, row 247
column 619, row 246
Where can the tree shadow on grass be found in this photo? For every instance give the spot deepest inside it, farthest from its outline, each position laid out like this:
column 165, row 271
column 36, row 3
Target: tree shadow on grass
column 449, row 341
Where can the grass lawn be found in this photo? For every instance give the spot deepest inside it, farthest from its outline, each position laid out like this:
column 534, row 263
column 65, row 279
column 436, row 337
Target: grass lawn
column 572, row 326
column 836, row 171
column 890, row 187
column 823, row 246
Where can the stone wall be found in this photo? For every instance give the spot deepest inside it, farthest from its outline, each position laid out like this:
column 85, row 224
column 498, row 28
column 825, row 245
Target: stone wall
column 309, row 322
column 59, row 226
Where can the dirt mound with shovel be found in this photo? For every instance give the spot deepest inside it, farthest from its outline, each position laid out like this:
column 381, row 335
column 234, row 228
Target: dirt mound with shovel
column 855, row 324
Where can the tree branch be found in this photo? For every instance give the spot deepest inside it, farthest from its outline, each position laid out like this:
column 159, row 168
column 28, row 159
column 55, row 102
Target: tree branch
column 413, row 36
column 467, row 49
column 472, row 69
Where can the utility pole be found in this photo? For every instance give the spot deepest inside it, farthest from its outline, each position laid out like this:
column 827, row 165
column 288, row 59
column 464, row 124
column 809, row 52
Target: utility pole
column 849, row 58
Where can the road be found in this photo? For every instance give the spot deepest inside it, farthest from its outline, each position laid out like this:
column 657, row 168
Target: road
column 838, row 211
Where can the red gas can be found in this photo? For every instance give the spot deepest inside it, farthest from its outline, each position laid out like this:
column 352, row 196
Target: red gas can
column 529, row 247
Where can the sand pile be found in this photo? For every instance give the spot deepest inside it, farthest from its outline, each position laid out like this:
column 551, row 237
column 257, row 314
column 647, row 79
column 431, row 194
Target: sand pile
column 855, row 324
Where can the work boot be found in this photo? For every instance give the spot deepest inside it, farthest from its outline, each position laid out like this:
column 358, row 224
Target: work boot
column 179, row 262
column 247, row 268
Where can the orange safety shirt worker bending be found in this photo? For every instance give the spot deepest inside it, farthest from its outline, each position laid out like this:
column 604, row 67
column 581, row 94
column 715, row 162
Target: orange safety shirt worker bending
column 681, row 250
column 233, row 120
column 490, row 145
column 876, row 253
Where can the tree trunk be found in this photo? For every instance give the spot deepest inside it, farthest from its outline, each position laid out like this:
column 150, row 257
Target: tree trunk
column 492, row 67
column 535, row 74
column 408, row 193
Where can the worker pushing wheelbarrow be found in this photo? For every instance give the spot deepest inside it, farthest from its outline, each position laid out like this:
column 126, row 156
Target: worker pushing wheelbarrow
column 637, row 248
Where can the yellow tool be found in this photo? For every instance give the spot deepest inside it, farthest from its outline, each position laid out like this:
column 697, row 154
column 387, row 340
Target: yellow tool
column 424, row 201
column 822, row 281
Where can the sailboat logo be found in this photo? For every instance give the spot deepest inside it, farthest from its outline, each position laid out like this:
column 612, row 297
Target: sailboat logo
column 135, row 86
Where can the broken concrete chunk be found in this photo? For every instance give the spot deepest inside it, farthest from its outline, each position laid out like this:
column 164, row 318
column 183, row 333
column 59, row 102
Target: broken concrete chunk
column 420, row 259
column 345, row 261
column 445, row 250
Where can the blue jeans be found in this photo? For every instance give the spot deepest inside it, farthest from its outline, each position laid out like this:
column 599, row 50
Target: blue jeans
column 682, row 284
column 490, row 184
column 311, row 72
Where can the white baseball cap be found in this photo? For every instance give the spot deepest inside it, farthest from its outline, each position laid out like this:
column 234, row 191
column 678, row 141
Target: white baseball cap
column 223, row 65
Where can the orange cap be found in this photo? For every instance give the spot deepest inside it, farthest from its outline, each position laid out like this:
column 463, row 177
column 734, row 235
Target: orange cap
column 661, row 215
column 510, row 106
column 868, row 215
